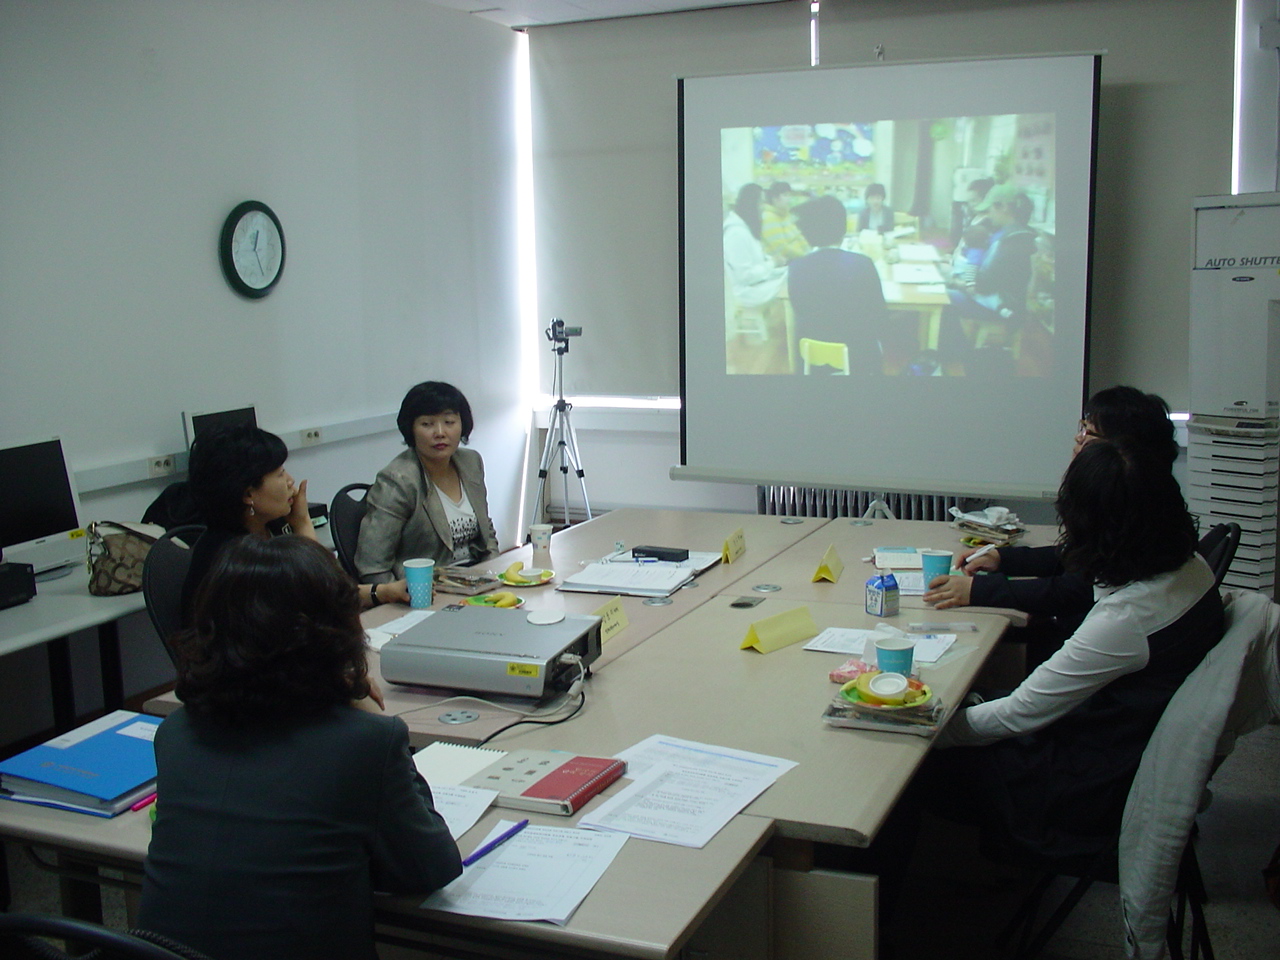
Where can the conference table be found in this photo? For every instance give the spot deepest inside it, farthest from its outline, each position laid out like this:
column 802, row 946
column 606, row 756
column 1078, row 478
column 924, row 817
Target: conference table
column 677, row 670
column 60, row 608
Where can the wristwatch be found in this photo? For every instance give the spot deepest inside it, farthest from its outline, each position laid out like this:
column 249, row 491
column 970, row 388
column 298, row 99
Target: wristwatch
column 373, row 596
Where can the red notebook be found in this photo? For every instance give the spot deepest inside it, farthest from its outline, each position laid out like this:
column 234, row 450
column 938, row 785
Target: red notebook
column 549, row 781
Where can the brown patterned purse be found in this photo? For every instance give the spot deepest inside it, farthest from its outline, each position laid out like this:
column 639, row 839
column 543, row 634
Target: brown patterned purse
column 116, row 554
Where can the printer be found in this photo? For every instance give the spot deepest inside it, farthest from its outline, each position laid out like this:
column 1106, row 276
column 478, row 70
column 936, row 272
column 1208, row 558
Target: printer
column 493, row 650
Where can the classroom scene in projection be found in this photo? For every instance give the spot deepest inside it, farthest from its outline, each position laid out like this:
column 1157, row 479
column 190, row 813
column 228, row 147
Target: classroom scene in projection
column 897, row 247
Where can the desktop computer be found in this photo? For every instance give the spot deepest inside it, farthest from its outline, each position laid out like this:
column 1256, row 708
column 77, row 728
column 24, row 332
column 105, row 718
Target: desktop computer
column 40, row 511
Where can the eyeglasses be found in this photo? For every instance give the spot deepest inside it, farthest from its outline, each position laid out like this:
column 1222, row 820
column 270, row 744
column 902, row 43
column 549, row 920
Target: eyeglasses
column 1085, row 431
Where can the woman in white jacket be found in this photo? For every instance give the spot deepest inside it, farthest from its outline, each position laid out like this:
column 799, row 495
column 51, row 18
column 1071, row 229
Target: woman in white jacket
column 753, row 276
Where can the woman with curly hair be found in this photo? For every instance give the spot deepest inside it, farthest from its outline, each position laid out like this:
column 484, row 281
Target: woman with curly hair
column 281, row 806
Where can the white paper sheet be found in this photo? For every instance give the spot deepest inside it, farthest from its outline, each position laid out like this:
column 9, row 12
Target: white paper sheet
column 542, row 873
column 916, row 273
column 461, row 807
column 918, row 251
column 684, row 792
column 681, row 805
column 379, row 636
column 929, row 646
column 689, row 753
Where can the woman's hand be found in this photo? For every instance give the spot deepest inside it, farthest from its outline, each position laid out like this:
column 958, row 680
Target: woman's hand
column 947, row 592
column 397, row 591
column 299, row 518
column 988, row 561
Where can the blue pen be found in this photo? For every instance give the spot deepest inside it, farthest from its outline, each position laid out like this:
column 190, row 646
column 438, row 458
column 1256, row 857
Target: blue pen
column 495, row 843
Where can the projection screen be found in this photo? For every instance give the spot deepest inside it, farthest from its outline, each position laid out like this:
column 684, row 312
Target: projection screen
column 885, row 274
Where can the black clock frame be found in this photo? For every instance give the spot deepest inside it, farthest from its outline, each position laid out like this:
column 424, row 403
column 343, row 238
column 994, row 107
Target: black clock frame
column 224, row 250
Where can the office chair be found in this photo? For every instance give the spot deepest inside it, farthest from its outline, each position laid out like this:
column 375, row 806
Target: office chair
column 821, row 353
column 163, row 575
column 345, row 514
column 21, row 933
column 1234, row 690
column 1218, row 547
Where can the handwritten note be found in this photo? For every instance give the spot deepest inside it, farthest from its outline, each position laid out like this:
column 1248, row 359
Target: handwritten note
column 613, row 620
column 735, row 546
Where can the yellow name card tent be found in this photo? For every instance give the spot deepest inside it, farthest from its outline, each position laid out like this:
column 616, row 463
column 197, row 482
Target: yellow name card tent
column 831, row 566
column 613, row 620
column 780, row 630
column 734, row 547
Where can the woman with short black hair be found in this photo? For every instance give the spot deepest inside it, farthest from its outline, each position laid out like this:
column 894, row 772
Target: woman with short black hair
column 240, row 487
column 281, row 807
column 430, row 501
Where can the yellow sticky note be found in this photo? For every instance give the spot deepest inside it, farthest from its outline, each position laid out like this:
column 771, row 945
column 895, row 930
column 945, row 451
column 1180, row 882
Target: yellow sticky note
column 831, row 566
column 734, row 547
column 613, row 620
column 780, row 630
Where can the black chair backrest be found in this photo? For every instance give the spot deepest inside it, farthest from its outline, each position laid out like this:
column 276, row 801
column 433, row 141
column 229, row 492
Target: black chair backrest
column 345, row 514
column 18, row 933
column 1218, row 547
column 163, row 574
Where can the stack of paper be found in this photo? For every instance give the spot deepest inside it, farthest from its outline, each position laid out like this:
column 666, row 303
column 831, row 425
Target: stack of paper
column 629, row 578
column 684, row 792
column 542, row 873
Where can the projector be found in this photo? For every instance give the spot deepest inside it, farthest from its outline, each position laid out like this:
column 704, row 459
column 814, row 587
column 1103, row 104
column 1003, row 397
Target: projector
column 492, row 650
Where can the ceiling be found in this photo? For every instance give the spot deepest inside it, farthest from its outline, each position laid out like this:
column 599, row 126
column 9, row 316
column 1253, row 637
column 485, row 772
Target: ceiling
column 532, row 13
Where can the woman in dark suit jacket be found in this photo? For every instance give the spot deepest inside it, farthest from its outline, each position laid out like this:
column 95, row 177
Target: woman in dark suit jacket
column 430, row 501
column 281, row 805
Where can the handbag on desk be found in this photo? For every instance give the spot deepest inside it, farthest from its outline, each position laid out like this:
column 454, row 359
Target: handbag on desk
column 116, row 555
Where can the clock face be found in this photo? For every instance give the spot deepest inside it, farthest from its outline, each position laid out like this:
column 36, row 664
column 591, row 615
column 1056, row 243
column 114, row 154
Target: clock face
column 252, row 249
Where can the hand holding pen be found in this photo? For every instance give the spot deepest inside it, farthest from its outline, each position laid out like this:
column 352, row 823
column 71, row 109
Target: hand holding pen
column 990, row 560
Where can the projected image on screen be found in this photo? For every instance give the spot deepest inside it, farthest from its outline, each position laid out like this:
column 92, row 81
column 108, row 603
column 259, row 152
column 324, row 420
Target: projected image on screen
column 890, row 248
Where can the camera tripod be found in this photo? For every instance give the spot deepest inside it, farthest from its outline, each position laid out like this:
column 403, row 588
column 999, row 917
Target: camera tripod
column 562, row 442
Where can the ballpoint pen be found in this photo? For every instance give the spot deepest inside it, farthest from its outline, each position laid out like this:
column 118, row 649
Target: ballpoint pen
column 495, row 843
column 979, row 553
column 144, row 802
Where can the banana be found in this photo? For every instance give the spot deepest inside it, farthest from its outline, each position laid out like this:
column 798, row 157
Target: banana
column 512, row 573
column 505, row 599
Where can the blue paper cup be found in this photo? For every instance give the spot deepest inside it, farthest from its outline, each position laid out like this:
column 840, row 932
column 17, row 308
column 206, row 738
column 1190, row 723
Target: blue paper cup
column 419, row 577
column 934, row 564
column 895, row 654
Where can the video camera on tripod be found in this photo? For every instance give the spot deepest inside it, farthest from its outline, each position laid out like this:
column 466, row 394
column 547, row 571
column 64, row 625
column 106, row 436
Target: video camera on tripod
column 559, row 335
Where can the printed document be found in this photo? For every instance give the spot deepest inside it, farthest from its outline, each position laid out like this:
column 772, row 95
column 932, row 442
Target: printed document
column 461, row 807
column 542, row 873
column 929, row 646
column 684, row 792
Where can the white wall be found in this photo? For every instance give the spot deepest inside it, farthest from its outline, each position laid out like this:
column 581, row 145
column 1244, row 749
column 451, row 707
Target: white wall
column 380, row 132
column 605, row 98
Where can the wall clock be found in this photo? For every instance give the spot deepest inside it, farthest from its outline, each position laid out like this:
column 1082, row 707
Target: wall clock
column 251, row 249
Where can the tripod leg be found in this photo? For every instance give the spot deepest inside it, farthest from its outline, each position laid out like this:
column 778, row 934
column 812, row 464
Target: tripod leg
column 549, row 449
column 571, row 447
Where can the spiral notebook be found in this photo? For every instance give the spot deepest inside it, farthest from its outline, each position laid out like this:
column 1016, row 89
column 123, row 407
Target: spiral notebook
column 548, row 781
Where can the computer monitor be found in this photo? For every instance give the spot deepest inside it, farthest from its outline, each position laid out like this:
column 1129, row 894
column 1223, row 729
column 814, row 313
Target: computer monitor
column 39, row 509
column 194, row 424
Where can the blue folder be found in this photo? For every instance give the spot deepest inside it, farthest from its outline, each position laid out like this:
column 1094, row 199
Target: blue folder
column 101, row 767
